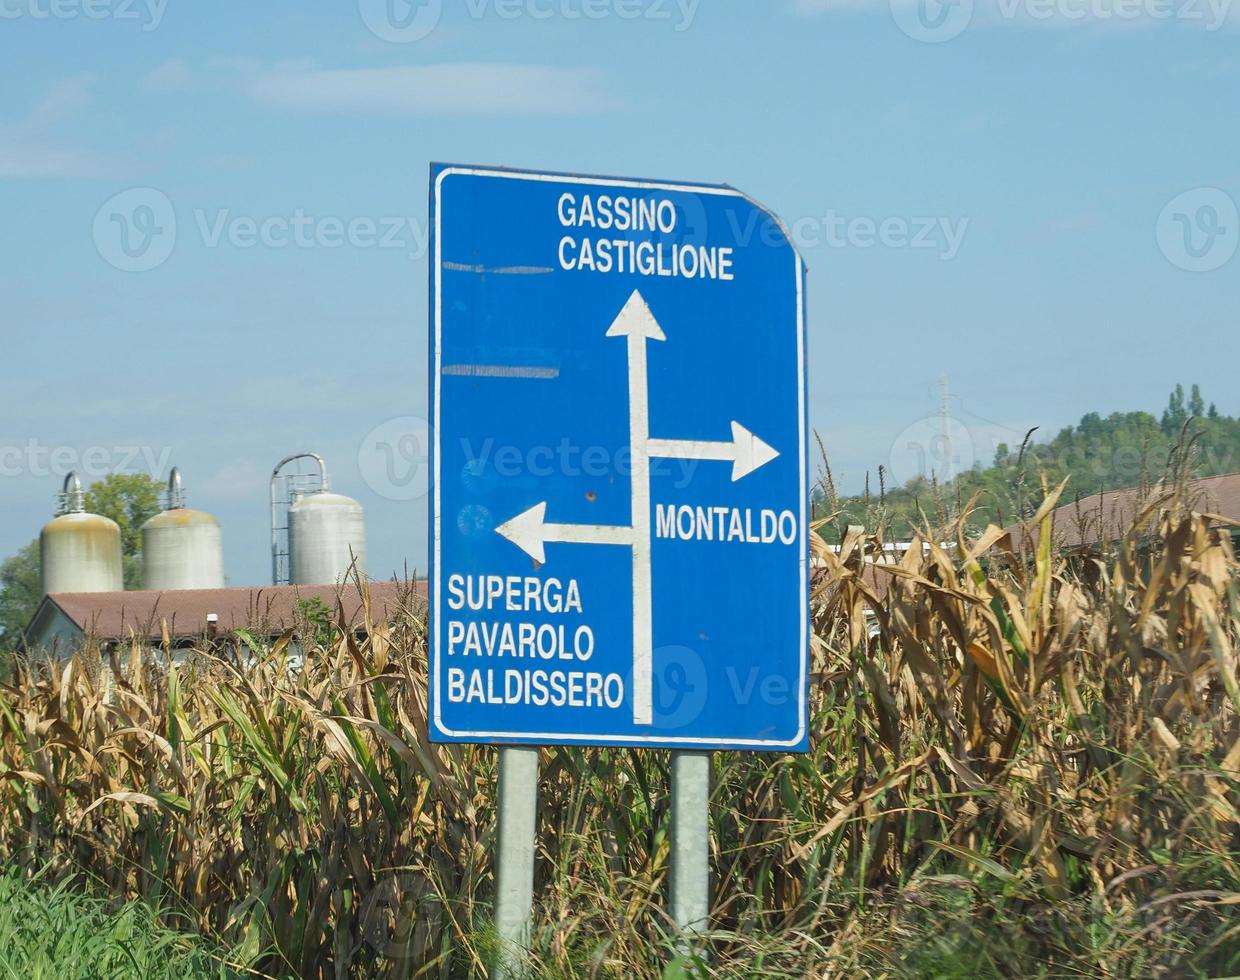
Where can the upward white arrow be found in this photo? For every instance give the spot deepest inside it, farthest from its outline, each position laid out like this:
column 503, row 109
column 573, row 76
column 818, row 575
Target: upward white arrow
column 530, row 531
column 636, row 322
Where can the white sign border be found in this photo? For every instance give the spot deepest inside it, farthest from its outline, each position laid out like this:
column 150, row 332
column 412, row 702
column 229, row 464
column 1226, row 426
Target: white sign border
column 518, row 738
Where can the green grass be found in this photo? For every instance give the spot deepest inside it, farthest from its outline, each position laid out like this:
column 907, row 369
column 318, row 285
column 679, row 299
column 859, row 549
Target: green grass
column 58, row 933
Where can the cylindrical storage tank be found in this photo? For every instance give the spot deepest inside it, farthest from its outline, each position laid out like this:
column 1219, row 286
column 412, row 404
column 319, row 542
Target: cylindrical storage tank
column 81, row 552
column 181, row 549
column 326, row 532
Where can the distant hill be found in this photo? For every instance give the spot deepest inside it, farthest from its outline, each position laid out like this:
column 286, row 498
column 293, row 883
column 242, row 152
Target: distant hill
column 1124, row 449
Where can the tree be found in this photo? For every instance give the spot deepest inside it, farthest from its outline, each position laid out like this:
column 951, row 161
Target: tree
column 1176, row 414
column 21, row 589
column 1196, row 405
column 1122, row 449
column 130, row 499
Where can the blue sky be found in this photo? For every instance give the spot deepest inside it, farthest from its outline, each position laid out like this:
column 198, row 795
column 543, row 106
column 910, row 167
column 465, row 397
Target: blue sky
column 1056, row 181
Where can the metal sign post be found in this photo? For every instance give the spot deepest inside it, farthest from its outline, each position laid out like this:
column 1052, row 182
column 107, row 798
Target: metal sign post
column 690, row 867
column 514, row 888
column 619, row 505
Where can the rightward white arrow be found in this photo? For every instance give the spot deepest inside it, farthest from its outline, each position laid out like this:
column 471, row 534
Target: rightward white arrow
column 746, row 451
column 530, row 531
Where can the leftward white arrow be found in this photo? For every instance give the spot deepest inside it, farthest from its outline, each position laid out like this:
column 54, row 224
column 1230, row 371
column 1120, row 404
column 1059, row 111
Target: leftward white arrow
column 530, row 531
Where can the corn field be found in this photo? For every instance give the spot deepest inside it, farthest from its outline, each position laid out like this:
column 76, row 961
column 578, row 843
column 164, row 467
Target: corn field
column 1022, row 763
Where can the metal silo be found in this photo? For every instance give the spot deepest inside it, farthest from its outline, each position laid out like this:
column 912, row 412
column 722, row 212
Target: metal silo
column 80, row 552
column 181, row 548
column 326, row 532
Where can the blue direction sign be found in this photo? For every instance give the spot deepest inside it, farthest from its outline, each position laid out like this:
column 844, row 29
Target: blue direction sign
column 620, row 481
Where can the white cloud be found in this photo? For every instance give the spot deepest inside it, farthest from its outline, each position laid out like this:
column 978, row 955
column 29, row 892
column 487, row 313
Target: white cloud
column 1212, row 70
column 171, row 76
column 64, row 99
column 234, row 62
column 33, row 160
column 811, row 8
column 29, row 149
column 1116, row 15
column 443, row 89
column 1072, row 224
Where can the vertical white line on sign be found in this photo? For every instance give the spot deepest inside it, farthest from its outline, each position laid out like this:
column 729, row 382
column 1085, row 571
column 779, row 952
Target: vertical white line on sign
column 638, row 325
